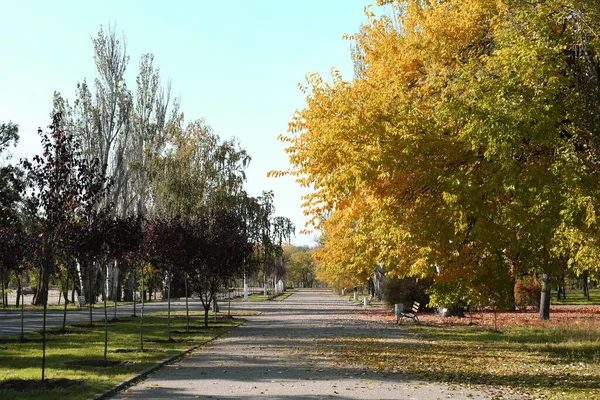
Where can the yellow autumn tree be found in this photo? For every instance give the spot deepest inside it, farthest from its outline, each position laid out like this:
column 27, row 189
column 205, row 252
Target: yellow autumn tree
column 464, row 149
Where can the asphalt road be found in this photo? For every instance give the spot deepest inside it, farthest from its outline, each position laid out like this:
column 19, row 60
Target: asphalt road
column 10, row 319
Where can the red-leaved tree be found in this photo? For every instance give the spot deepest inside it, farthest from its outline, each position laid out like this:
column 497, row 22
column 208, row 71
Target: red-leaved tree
column 62, row 184
column 224, row 256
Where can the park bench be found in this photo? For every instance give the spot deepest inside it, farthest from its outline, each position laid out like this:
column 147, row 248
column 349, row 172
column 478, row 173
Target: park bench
column 412, row 314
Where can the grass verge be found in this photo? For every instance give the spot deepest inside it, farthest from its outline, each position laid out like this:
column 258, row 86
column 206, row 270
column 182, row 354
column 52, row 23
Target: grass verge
column 262, row 297
column 577, row 298
column 200, row 314
column 74, row 360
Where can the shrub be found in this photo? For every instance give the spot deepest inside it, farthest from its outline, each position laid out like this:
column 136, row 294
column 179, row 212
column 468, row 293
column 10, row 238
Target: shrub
column 406, row 291
column 527, row 293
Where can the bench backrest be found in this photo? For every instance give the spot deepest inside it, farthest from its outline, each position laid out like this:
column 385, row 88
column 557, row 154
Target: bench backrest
column 415, row 307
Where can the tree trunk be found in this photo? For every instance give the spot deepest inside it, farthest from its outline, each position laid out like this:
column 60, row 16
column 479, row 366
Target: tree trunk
column 45, row 275
column 44, row 340
column 265, row 283
column 113, row 279
column 79, row 279
column 22, row 307
column 41, row 296
column 187, row 307
column 229, row 301
column 109, row 280
column 90, row 293
column 169, row 307
column 142, row 314
column 215, row 306
column 511, row 295
column 134, row 288
column 116, row 297
column 545, row 297
column 206, row 308
column 560, row 286
column 130, row 285
column 104, row 287
column 66, row 294
column 19, row 290
column 3, row 288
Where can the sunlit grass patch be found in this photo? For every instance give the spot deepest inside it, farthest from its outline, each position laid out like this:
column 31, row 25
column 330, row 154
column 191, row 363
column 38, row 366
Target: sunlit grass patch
column 262, row 297
column 196, row 314
column 577, row 298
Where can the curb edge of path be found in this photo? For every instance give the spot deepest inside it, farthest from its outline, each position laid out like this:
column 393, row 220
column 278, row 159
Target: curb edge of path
column 141, row 375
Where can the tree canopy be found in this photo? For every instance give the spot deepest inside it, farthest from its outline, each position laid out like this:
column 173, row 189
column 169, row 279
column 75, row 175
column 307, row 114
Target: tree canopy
column 465, row 148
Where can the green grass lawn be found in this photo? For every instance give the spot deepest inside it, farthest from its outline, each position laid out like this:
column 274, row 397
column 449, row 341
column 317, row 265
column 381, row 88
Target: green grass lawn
column 195, row 313
column 577, row 298
column 78, row 354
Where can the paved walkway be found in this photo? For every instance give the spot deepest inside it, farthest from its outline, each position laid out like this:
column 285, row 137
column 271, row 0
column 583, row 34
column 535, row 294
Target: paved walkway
column 275, row 356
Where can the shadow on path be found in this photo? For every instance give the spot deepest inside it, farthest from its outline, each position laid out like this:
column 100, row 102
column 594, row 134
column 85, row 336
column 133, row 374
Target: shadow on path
column 277, row 355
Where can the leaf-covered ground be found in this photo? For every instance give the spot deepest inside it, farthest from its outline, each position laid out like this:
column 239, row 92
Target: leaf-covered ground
column 573, row 317
column 555, row 359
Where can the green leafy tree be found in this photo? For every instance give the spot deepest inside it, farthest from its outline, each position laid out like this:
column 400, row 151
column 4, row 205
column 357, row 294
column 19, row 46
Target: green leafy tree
column 11, row 229
column 198, row 172
column 300, row 265
column 270, row 233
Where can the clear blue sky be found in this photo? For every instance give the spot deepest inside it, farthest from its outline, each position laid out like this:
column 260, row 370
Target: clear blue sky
column 235, row 63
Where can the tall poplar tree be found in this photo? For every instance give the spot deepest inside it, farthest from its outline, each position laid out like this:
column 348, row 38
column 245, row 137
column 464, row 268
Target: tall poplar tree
column 121, row 127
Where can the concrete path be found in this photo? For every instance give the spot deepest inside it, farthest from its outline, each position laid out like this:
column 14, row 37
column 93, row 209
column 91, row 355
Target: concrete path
column 276, row 356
